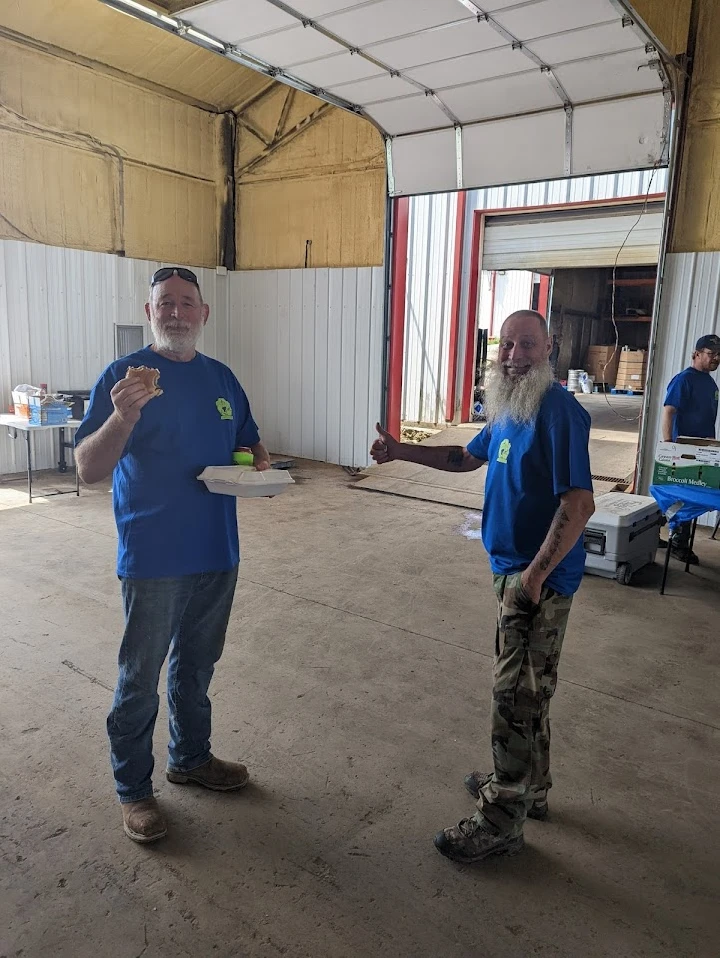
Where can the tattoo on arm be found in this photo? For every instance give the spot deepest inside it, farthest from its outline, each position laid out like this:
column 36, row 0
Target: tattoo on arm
column 557, row 529
column 455, row 456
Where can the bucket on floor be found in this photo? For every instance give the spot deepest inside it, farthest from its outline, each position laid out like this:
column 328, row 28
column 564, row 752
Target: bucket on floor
column 573, row 383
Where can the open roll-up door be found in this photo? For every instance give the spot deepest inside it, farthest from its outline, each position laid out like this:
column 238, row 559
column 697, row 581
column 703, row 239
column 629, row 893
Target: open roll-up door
column 626, row 236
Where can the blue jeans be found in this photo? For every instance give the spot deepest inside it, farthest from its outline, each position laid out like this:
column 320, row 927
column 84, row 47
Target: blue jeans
column 188, row 617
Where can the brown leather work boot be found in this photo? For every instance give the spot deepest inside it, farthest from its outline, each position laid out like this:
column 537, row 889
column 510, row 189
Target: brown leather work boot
column 143, row 821
column 218, row 775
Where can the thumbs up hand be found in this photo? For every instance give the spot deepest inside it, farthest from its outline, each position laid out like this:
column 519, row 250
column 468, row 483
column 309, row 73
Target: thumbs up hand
column 384, row 449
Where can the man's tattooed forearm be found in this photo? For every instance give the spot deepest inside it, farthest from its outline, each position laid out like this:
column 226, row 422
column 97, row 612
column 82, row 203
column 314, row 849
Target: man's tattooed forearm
column 557, row 530
column 455, row 456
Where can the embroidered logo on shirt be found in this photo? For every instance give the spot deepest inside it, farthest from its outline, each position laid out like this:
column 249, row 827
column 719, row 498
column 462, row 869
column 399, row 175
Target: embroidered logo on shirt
column 224, row 408
column 504, row 451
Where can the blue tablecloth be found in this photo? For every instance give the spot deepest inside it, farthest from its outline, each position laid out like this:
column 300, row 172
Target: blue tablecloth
column 696, row 500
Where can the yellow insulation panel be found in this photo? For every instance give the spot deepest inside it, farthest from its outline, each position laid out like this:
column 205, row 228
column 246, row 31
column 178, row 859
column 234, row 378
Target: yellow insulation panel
column 668, row 19
column 92, row 30
column 316, row 198
column 697, row 220
column 54, row 193
column 90, row 160
column 170, row 218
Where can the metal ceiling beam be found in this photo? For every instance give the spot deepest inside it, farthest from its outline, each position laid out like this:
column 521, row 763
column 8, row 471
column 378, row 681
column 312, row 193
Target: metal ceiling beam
column 284, row 139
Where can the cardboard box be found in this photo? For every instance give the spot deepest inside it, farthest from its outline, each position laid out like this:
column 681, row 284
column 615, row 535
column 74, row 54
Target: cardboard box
column 46, row 411
column 601, row 362
column 689, row 461
column 633, row 359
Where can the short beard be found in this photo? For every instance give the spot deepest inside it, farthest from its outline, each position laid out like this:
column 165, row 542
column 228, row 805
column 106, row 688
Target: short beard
column 517, row 400
column 175, row 342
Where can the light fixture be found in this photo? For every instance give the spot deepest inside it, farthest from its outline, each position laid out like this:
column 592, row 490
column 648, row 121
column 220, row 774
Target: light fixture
column 187, row 31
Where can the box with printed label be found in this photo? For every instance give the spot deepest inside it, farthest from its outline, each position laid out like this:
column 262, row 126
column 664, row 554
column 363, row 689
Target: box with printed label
column 688, row 462
column 45, row 411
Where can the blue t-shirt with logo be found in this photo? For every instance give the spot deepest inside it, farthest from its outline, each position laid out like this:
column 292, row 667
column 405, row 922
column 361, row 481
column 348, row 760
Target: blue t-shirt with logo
column 168, row 523
column 529, row 467
column 695, row 396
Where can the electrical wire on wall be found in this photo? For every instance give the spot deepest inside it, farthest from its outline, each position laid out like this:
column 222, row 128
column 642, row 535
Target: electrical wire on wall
column 613, row 317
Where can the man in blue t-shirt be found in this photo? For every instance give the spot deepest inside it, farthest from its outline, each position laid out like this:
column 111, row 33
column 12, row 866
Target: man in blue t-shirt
column 538, row 499
column 691, row 408
column 178, row 549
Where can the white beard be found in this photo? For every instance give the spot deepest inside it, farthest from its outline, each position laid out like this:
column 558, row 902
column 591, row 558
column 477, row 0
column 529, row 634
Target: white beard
column 516, row 399
column 175, row 341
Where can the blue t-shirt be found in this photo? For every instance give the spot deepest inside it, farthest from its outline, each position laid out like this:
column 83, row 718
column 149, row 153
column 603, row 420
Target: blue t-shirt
column 695, row 396
column 168, row 523
column 529, row 468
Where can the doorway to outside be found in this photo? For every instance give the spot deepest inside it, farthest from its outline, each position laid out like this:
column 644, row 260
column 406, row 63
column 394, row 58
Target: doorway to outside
column 599, row 319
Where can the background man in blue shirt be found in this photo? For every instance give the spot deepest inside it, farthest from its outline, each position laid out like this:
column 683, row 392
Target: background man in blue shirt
column 178, row 549
column 538, row 498
column 691, row 408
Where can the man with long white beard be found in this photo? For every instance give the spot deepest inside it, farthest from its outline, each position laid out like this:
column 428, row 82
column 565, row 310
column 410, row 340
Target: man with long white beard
column 178, row 548
column 538, row 498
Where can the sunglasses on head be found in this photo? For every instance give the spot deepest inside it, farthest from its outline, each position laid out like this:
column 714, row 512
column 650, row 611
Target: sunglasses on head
column 167, row 272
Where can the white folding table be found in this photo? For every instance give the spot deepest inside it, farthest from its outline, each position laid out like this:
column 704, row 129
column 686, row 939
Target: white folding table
column 16, row 425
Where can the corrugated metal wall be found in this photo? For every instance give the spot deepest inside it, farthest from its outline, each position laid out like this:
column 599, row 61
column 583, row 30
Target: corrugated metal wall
column 58, row 310
column 690, row 308
column 431, row 249
column 578, row 189
column 513, row 290
column 573, row 190
column 308, row 346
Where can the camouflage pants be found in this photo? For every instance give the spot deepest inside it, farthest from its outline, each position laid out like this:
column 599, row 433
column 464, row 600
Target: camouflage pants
column 527, row 651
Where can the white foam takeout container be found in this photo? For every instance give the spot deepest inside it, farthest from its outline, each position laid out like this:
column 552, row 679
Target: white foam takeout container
column 245, row 481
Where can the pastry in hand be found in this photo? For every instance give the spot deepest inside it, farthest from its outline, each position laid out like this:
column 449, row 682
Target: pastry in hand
column 148, row 376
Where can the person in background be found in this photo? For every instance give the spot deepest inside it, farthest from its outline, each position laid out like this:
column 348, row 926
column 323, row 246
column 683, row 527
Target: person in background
column 178, row 548
column 538, row 499
column 691, row 408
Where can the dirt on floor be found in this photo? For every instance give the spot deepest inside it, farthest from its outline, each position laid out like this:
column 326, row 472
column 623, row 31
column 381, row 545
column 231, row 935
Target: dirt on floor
column 355, row 683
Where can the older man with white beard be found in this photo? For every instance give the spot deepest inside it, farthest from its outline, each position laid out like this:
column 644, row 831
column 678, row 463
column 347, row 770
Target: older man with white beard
column 178, row 548
column 538, row 498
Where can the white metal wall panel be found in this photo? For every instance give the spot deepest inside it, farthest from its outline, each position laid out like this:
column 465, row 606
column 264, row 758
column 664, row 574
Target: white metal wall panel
column 571, row 241
column 578, row 189
column 552, row 192
column 307, row 346
column 513, row 291
column 431, row 251
column 58, row 310
column 689, row 308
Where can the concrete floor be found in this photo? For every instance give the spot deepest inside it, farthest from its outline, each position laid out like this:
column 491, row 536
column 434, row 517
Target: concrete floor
column 355, row 683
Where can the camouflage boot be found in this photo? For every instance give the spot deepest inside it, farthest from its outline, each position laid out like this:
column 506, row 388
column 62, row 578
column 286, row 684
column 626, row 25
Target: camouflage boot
column 472, row 841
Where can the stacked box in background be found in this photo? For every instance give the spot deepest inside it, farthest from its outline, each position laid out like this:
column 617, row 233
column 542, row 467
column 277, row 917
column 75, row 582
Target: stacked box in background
column 601, row 362
column 632, row 369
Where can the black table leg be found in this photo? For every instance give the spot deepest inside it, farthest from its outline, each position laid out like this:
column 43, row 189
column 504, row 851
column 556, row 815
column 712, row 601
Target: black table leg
column 28, row 447
column 717, row 526
column 665, row 567
column 691, row 544
column 62, row 462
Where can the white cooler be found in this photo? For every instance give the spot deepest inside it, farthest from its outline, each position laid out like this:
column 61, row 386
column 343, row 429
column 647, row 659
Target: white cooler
column 622, row 536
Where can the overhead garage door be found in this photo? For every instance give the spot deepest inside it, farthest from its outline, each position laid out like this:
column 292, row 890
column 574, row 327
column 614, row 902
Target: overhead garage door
column 574, row 238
